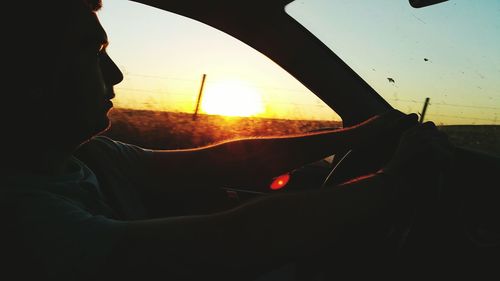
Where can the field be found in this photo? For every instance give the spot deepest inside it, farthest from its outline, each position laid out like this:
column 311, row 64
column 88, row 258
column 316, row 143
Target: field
column 483, row 138
column 169, row 130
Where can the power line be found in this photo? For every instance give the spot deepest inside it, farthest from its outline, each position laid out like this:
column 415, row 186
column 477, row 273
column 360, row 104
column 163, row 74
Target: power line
column 159, row 77
column 447, row 104
column 136, row 90
column 467, row 106
column 189, row 95
column 193, row 80
column 317, row 105
column 304, row 91
column 462, row 117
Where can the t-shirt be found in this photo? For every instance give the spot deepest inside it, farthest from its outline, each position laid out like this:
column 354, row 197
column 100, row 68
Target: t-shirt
column 62, row 228
column 121, row 172
column 66, row 227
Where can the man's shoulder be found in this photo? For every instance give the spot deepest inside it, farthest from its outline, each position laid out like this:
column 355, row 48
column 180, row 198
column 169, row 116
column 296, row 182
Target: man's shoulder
column 104, row 144
column 103, row 154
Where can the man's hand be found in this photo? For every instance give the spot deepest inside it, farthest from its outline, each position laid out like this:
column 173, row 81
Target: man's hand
column 423, row 153
column 385, row 126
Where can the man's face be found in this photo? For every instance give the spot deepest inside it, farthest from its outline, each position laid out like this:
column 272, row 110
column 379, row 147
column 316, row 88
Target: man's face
column 84, row 81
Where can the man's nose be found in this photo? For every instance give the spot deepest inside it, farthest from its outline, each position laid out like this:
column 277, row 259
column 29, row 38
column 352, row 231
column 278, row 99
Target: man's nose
column 112, row 74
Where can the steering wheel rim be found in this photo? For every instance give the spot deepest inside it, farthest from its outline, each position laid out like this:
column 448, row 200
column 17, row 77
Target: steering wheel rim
column 328, row 177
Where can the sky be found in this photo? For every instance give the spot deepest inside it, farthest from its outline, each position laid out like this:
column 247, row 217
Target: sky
column 164, row 56
column 448, row 52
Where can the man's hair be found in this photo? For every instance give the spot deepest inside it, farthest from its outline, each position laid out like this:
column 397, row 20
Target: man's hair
column 33, row 38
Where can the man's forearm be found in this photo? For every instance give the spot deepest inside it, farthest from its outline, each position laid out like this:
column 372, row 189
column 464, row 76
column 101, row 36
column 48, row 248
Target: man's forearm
column 247, row 160
column 264, row 158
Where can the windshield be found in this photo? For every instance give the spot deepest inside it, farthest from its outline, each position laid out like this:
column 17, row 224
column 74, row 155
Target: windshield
column 187, row 84
column 448, row 52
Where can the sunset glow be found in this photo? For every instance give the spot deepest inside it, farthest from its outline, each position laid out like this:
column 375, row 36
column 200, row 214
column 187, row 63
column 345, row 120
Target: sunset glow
column 232, row 98
column 451, row 59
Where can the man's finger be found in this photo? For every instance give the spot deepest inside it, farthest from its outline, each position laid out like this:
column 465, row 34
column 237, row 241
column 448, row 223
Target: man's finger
column 429, row 125
column 404, row 123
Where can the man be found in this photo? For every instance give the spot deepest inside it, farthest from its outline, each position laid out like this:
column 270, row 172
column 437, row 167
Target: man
column 67, row 221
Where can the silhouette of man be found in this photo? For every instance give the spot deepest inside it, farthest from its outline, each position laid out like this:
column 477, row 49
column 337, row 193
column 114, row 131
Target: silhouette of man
column 82, row 215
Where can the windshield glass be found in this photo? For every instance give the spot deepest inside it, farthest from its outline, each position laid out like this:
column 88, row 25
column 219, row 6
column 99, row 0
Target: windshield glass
column 448, row 52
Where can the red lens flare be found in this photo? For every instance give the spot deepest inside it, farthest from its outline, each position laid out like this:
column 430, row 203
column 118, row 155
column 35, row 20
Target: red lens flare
column 280, row 182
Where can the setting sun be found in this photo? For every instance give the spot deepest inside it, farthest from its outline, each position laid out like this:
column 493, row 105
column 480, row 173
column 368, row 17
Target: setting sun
column 232, row 98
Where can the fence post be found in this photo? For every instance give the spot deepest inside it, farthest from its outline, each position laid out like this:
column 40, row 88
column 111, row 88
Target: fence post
column 424, row 110
column 195, row 115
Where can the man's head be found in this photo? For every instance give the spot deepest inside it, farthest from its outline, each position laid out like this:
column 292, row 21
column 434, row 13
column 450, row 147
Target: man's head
column 60, row 79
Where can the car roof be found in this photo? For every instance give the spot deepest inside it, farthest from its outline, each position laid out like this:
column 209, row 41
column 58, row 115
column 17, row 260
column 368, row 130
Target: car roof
column 265, row 26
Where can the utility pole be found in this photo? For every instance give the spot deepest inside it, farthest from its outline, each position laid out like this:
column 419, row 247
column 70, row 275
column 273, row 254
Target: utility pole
column 424, row 110
column 195, row 115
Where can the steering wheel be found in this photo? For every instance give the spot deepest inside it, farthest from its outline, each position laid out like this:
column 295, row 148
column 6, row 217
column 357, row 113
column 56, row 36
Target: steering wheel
column 365, row 160
column 358, row 161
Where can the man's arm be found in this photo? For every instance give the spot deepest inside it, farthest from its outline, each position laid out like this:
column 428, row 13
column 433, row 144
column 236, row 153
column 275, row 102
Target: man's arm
column 244, row 161
column 237, row 162
column 254, row 238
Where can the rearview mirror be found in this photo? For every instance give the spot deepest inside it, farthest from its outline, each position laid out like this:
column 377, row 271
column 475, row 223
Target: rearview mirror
column 424, row 3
